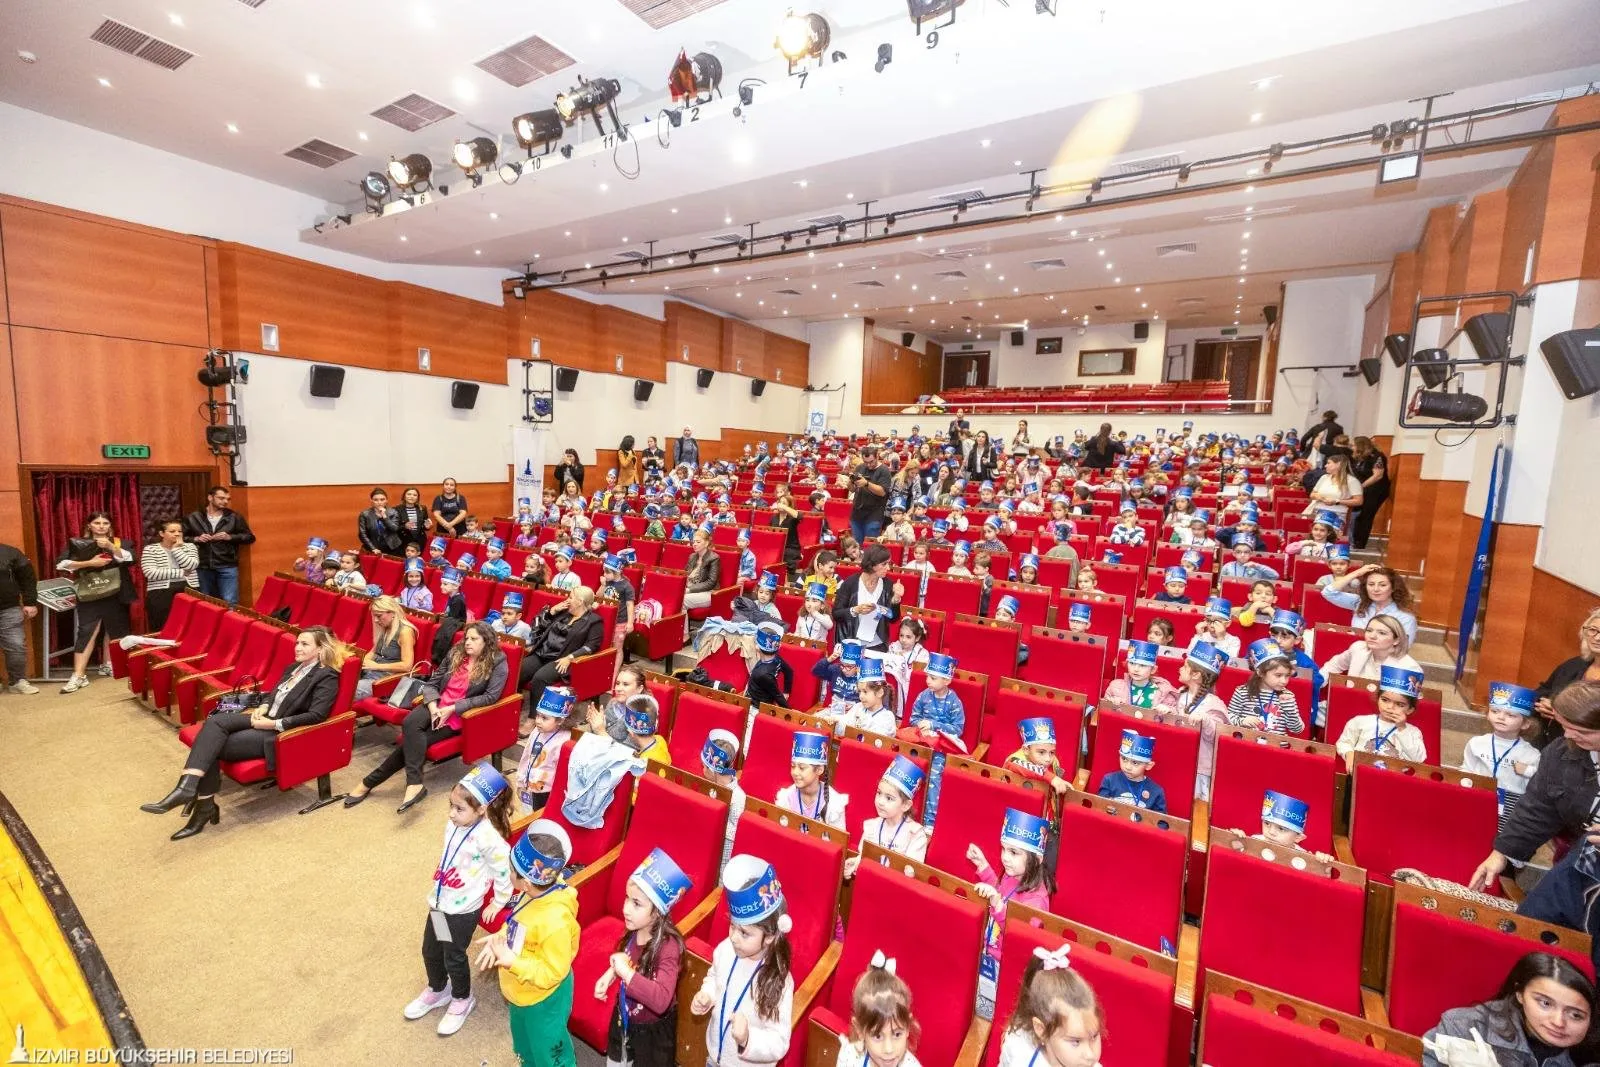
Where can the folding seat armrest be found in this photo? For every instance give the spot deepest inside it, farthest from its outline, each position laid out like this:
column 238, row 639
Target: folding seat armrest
column 308, row 752
column 194, row 676
column 590, row 675
column 161, row 664
column 974, row 1043
column 382, row 687
column 1373, row 1008
column 591, row 884
column 491, row 729
column 692, row 971
column 817, row 980
column 701, row 912
column 979, row 752
column 1080, row 781
column 1200, row 825
column 822, row 1045
column 1188, row 966
column 1343, row 852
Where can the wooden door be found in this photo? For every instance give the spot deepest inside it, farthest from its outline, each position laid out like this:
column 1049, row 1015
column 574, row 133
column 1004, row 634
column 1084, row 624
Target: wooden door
column 965, row 370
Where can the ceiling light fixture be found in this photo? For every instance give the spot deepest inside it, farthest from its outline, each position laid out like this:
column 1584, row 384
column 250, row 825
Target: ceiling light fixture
column 375, row 187
column 590, row 97
column 233, row 128
column 314, row 81
column 538, row 128
column 474, row 155
column 801, row 37
column 411, row 171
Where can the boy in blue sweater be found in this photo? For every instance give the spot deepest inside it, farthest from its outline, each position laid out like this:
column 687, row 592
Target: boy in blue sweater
column 840, row 672
column 938, row 719
column 1131, row 783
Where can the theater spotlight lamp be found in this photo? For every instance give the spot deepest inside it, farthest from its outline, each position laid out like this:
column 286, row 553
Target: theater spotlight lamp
column 802, row 36
column 411, row 172
column 590, row 97
column 375, row 187
column 1457, row 408
column 474, row 155
column 1433, row 366
column 697, row 79
column 218, row 370
column 542, row 128
column 927, row 10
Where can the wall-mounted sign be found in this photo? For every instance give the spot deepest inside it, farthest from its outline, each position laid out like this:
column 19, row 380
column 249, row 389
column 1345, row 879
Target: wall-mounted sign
column 125, row 451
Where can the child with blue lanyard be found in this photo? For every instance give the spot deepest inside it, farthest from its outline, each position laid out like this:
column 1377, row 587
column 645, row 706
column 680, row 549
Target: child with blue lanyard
column 839, row 672
column 495, row 565
column 643, row 1031
column 747, row 558
column 1502, row 754
column 748, row 991
column 810, row 796
column 893, row 828
column 1286, row 628
column 938, row 720
column 1022, row 877
column 1388, row 732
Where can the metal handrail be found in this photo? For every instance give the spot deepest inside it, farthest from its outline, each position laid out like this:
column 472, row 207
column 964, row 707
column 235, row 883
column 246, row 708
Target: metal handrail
column 1045, row 407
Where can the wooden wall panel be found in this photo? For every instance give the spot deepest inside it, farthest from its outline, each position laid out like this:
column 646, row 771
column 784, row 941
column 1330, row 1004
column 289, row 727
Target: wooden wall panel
column 1445, row 530
column 1568, row 221
column 1556, row 609
column 118, row 391
column 10, row 447
column 1475, row 251
column 11, row 517
column 896, row 375
column 1512, row 612
column 1525, row 204
column 1433, row 251
column 744, row 349
column 75, row 273
column 1410, row 512
column 1591, row 251
column 563, row 325
column 1402, row 292
column 788, row 360
column 638, row 339
column 5, row 304
column 698, row 330
column 466, row 338
column 322, row 314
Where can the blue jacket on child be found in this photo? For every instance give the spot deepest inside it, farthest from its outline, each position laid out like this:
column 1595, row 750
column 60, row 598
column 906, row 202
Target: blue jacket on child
column 1145, row 794
column 944, row 710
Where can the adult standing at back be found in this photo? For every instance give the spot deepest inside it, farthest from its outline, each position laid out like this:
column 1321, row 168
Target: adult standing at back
column 449, row 510
column 653, row 458
column 869, row 484
column 568, row 470
column 413, row 520
column 1320, row 436
column 378, row 527
column 959, row 428
column 217, row 533
column 169, row 566
column 627, row 463
column 685, row 450
column 1101, row 453
column 19, row 600
column 1371, row 468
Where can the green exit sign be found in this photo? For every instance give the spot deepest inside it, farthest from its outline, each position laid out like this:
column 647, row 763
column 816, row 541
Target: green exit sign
column 1231, row 331
column 125, row 451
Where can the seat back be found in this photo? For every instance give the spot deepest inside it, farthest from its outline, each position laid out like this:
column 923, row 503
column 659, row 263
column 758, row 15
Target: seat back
column 1250, row 763
column 1019, row 700
column 267, row 601
column 319, row 608
column 589, row 845
column 1183, row 618
column 665, row 690
column 1109, row 614
column 1257, row 1027
column 350, row 617
column 689, row 825
column 1233, row 676
column 1062, row 660
column 858, row 767
column 278, row 661
column 250, row 662
column 952, row 594
column 973, row 799
column 1033, row 602
column 388, row 572
column 1177, row 754
column 1243, row 889
column 699, row 712
column 294, row 598
column 1098, row 836
column 985, row 646
column 766, row 761
column 1326, row 640
column 479, row 594
column 225, row 641
column 896, row 915
column 665, row 587
column 726, row 664
column 1316, row 608
column 203, row 621
column 1349, row 697
column 802, row 656
column 1442, row 822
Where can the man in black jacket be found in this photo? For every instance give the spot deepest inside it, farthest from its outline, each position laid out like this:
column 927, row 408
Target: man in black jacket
column 19, row 600
column 378, row 527
column 1322, row 435
column 218, row 531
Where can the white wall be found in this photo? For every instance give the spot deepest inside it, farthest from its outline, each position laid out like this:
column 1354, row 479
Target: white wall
column 837, row 353
column 1020, row 365
column 1567, row 543
column 1322, row 320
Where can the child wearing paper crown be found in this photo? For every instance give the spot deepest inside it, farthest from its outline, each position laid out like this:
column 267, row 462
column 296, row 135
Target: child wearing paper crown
column 565, row 578
column 815, row 621
column 1174, row 583
column 1338, row 560
column 436, row 551
column 1195, row 705
column 870, row 712
column 1141, row 687
column 1131, row 782
column 475, row 859
column 893, row 828
column 882, row 1028
column 1388, row 732
column 643, row 1030
column 414, row 592
column 614, row 586
column 541, row 752
column 938, row 718
column 810, row 795
column 1058, row 1021
column 905, row 652
column 748, row 991
column 1283, row 823
column 309, row 566
column 495, row 565
column 1022, row 878
column 1502, row 754
column 509, row 622
column 1324, row 533
column 717, row 758
column 839, row 672
column 766, row 597
column 1079, row 616
column 747, row 558
column 641, row 714
column 1264, row 702
column 1213, row 628
column 535, row 948
column 771, row 678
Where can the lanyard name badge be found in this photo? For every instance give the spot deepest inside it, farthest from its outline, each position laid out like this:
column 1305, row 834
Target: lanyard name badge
column 441, row 925
column 1497, row 758
column 516, row 933
column 535, row 747
column 1381, row 739
column 989, row 962
column 723, row 1022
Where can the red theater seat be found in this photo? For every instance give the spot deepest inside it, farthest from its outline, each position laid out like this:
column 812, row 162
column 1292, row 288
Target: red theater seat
column 1018, row 700
column 588, row 845
column 1063, row 660
column 1250, row 763
column 972, row 807
column 1098, row 836
column 858, row 766
column 699, row 712
column 1249, row 1025
column 1438, row 821
column 1177, row 754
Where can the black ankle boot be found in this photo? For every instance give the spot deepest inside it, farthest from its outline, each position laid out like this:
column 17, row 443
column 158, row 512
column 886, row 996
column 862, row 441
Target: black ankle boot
column 182, row 794
column 205, row 811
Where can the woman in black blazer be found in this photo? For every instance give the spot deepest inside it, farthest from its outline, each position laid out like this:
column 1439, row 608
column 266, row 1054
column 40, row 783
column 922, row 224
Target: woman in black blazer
column 885, row 600
column 473, row 675
column 562, row 633
column 303, row 696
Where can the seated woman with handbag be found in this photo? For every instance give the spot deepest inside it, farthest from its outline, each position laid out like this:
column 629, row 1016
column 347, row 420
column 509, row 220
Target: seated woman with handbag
column 473, row 675
column 303, row 696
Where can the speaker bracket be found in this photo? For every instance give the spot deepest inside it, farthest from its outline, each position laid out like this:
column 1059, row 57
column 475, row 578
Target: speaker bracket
column 1497, row 415
column 538, row 405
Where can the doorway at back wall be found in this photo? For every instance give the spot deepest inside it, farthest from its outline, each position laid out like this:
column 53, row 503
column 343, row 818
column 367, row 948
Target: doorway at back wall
column 138, row 501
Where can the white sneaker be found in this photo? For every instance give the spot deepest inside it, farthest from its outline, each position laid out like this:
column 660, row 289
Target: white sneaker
column 426, row 1001
column 456, row 1016
column 75, row 683
column 23, row 686
column 104, row 670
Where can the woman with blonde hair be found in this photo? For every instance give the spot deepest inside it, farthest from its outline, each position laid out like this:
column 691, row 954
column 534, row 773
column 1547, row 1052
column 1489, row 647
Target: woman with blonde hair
column 1338, row 490
column 394, row 645
column 304, row 696
column 473, row 675
column 1383, row 644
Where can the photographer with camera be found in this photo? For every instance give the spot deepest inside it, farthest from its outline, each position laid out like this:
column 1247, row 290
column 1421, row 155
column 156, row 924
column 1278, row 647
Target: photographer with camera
column 869, row 488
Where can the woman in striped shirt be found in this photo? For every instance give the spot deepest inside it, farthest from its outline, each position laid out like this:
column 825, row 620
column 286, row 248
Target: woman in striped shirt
column 170, row 565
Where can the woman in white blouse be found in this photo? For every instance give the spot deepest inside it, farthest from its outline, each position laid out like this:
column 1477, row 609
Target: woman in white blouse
column 1382, row 645
column 170, row 566
column 1337, row 490
column 1021, row 443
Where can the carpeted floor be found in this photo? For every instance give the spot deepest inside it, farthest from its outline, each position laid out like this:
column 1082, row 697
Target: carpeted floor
column 270, row 930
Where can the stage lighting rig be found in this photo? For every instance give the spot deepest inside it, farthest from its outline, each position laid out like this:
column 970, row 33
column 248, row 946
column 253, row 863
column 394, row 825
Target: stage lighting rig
column 538, row 128
column 590, row 97
column 927, row 10
column 695, row 80
column 801, row 37
column 375, row 188
column 473, row 156
column 411, row 172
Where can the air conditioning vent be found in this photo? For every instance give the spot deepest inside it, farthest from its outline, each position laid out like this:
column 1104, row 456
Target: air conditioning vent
column 963, row 197
column 870, row 284
column 140, row 45
column 1139, row 166
column 659, row 13
column 413, row 112
column 1167, row 251
column 1191, row 301
column 252, row 3
column 786, row 292
column 725, row 238
column 951, row 274
column 525, row 61
column 1246, row 216
column 1048, row 264
column 826, row 222
column 1084, row 237
column 630, row 254
column 320, row 154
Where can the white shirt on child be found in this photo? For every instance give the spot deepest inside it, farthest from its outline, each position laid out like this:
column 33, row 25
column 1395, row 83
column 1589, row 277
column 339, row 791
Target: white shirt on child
column 1480, row 753
column 470, row 861
column 909, row 839
column 813, row 627
column 853, row 1056
column 735, row 809
column 768, row 1038
column 1360, row 732
column 1018, row 1050
column 858, row 717
column 1228, row 643
column 789, row 800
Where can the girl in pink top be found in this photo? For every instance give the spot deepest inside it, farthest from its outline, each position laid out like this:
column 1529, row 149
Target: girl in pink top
column 1021, row 878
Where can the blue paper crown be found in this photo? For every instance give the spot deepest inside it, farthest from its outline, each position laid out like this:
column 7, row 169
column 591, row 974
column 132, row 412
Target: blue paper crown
column 450, row 574
column 769, row 635
column 1330, row 519
column 662, row 880
column 1284, row 619
column 555, row 701
column 541, row 868
column 871, row 669
column 466, row 561
column 1137, row 746
column 1208, row 657
column 1339, row 550
column 850, row 651
column 1127, row 506
column 1265, row 651
column 567, row 552
column 1024, row 831
column 1039, row 731
column 612, row 562
column 599, row 537
column 941, row 526
column 904, row 775
column 1009, row 603
column 484, row 783
column 1508, row 696
column 496, row 544
column 897, row 504
column 1284, row 810
column 1175, row 574
column 438, row 544
column 513, row 601
column 769, row 580
column 1029, row 559
column 415, row 564
column 1218, row 608
column 317, row 543
column 742, row 537
column 714, row 757
column 1079, row 612
column 751, row 888
column 332, row 556
column 963, row 547
column 810, row 748
column 642, row 719
column 1250, row 514
column 1400, row 681
column 1244, row 540
column 1111, row 556
column 816, row 591
column 374, row 589
column 1143, row 653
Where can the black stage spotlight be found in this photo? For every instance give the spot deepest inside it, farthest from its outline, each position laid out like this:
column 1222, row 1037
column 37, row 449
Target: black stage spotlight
column 885, row 57
column 375, row 187
column 1449, row 407
column 928, row 10
column 217, row 371
column 412, row 171
column 474, row 155
column 538, row 128
column 802, row 36
column 1433, row 365
column 1044, row 7
column 698, row 79
column 590, row 97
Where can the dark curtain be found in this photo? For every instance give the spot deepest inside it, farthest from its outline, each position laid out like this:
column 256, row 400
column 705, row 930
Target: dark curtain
column 62, row 504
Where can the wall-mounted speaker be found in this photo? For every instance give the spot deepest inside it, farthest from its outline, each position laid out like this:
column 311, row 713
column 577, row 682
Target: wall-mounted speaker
column 641, row 389
column 1398, row 345
column 1433, row 366
column 326, row 380
column 703, row 377
column 1270, row 313
column 1488, row 334
column 1370, row 369
column 1016, row 338
column 464, row 395
column 906, row 339
column 566, row 379
column 1141, row 331
column 1574, row 358
column 757, row 386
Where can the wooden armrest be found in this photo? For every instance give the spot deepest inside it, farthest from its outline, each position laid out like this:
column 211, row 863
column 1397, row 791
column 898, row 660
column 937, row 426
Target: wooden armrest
column 978, row 753
column 1200, row 825
column 592, row 870
column 174, row 662
column 1188, row 965
column 812, row 986
column 822, row 1045
column 206, row 674
column 1373, row 1009
column 1343, row 852
column 701, row 911
column 484, row 709
column 1080, row 781
column 974, row 1043
column 692, row 971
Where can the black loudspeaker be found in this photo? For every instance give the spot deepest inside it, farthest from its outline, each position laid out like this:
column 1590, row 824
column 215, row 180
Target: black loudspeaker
column 326, row 381
column 906, row 339
column 1270, row 313
column 1370, row 369
column 566, row 379
column 702, row 378
column 1016, row 337
column 641, row 389
column 1430, row 364
column 464, row 395
column 1398, row 345
column 1141, row 331
column 757, row 386
column 1574, row 358
column 1488, row 334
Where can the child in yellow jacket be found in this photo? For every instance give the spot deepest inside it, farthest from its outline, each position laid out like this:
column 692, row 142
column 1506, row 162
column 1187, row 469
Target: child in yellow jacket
column 535, row 949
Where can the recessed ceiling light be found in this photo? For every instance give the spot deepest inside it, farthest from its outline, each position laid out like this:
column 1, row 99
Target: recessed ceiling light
column 897, row 277
column 802, row 182
column 1249, row 189
column 984, row 143
column 855, row 305
column 814, row 285
column 361, row 135
column 233, row 128
column 624, row 239
column 604, row 187
column 586, row 266
column 718, row 270
column 786, row 311
column 674, row 211
column 1236, row 322
column 496, row 214
column 913, row 288
column 1016, row 162
column 479, row 252
column 1102, row 251
column 1116, row 281
column 727, row 220
column 1002, row 277
column 105, row 82
column 175, row 18
column 1255, row 117
column 1252, row 172
column 761, row 303
column 849, row 196
column 27, row 56
column 1014, row 289
column 1110, row 265
column 569, row 233
column 1138, row 288
column 1143, row 305
column 737, row 293
column 314, row 81
column 403, row 237
column 1263, row 84
column 1247, row 235
column 1072, row 233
